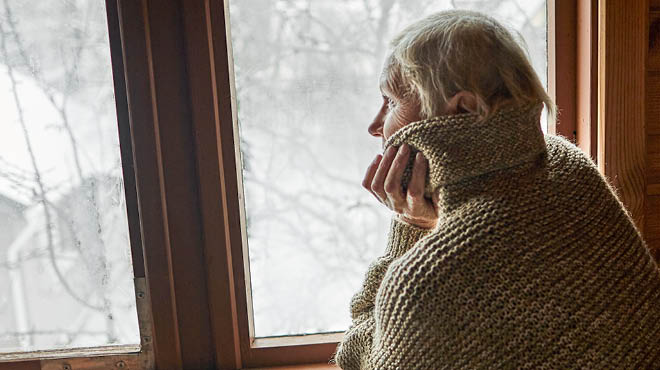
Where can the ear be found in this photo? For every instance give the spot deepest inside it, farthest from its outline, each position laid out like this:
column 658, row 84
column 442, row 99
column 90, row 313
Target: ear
column 462, row 102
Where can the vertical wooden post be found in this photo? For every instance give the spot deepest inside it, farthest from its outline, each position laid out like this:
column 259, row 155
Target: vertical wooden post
column 586, row 124
column 621, row 69
column 214, row 170
column 562, row 65
column 137, row 57
column 652, row 209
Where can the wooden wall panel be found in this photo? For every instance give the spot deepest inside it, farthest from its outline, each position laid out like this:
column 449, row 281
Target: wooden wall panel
column 652, row 234
column 653, row 161
column 621, row 135
column 654, row 40
column 652, row 208
column 653, row 221
column 653, row 103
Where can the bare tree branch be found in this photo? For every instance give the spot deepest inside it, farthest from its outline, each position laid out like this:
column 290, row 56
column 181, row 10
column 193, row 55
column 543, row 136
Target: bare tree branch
column 38, row 179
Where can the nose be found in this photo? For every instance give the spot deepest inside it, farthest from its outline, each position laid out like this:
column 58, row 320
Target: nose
column 376, row 127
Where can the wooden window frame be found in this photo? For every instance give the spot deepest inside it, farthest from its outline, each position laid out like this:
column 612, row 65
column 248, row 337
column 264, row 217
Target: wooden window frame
column 652, row 201
column 572, row 76
column 174, row 91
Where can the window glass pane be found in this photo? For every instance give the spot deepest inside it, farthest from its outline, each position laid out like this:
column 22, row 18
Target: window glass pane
column 66, row 278
column 307, row 87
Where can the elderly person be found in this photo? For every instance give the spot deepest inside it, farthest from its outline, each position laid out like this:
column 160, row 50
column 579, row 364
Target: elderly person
column 508, row 248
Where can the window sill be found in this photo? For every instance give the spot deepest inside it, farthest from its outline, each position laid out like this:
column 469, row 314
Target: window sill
column 321, row 366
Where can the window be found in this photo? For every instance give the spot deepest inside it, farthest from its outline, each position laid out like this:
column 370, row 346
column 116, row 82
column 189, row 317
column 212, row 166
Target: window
column 173, row 72
column 306, row 77
column 66, row 277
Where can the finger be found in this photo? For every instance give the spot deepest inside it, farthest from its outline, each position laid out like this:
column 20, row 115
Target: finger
column 393, row 187
column 416, row 185
column 377, row 184
column 418, row 205
column 371, row 171
column 368, row 178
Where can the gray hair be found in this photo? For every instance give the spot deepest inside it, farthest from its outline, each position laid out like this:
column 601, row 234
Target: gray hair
column 460, row 50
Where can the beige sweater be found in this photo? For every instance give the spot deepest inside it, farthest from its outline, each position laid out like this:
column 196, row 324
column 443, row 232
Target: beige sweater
column 533, row 264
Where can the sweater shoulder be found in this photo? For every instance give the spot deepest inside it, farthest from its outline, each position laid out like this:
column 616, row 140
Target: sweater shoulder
column 563, row 153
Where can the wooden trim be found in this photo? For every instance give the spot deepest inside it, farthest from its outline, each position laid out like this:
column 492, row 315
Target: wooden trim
column 572, row 72
column 67, row 353
column 293, row 340
column 24, row 365
column 653, row 62
column 652, row 204
column 652, row 235
column 214, row 197
column 180, row 189
column 145, row 357
column 232, row 180
column 587, row 77
column 149, row 181
column 562, row 65
column 146, row 354
column 655, row 5
column 653, row 162
column 124, row 127
column 621, row 68
column 653, row 75
column 321, row 366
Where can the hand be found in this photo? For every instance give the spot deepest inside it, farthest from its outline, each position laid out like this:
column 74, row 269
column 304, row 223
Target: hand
column 383, row 180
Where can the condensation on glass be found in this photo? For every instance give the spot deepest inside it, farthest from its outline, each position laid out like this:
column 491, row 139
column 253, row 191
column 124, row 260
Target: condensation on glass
column 66, row 276
column 306, row 74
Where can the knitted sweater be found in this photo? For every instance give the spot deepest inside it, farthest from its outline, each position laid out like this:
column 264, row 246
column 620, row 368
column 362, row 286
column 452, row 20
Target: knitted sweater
column 534, row 263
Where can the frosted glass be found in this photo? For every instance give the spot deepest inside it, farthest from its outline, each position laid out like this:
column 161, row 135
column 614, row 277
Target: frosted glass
column 306, row 77
column 66, row 277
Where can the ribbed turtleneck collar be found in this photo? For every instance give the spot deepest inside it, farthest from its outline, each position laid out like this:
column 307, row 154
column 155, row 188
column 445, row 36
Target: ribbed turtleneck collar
column 461, row 146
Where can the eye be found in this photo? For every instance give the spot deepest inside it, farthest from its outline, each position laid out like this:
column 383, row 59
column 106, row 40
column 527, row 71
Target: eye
column 391, row 104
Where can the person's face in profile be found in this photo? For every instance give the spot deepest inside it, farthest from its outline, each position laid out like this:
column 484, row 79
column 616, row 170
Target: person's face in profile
column 396, row 110
column 399, row 109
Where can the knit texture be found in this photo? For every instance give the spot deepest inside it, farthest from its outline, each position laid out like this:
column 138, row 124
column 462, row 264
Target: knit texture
column 534, row 263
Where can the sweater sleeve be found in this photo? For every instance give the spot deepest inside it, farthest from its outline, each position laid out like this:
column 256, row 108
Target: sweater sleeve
column 352, row 352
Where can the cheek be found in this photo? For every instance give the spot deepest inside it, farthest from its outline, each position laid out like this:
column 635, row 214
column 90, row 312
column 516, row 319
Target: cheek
column 392, row 124
column 398, row 119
